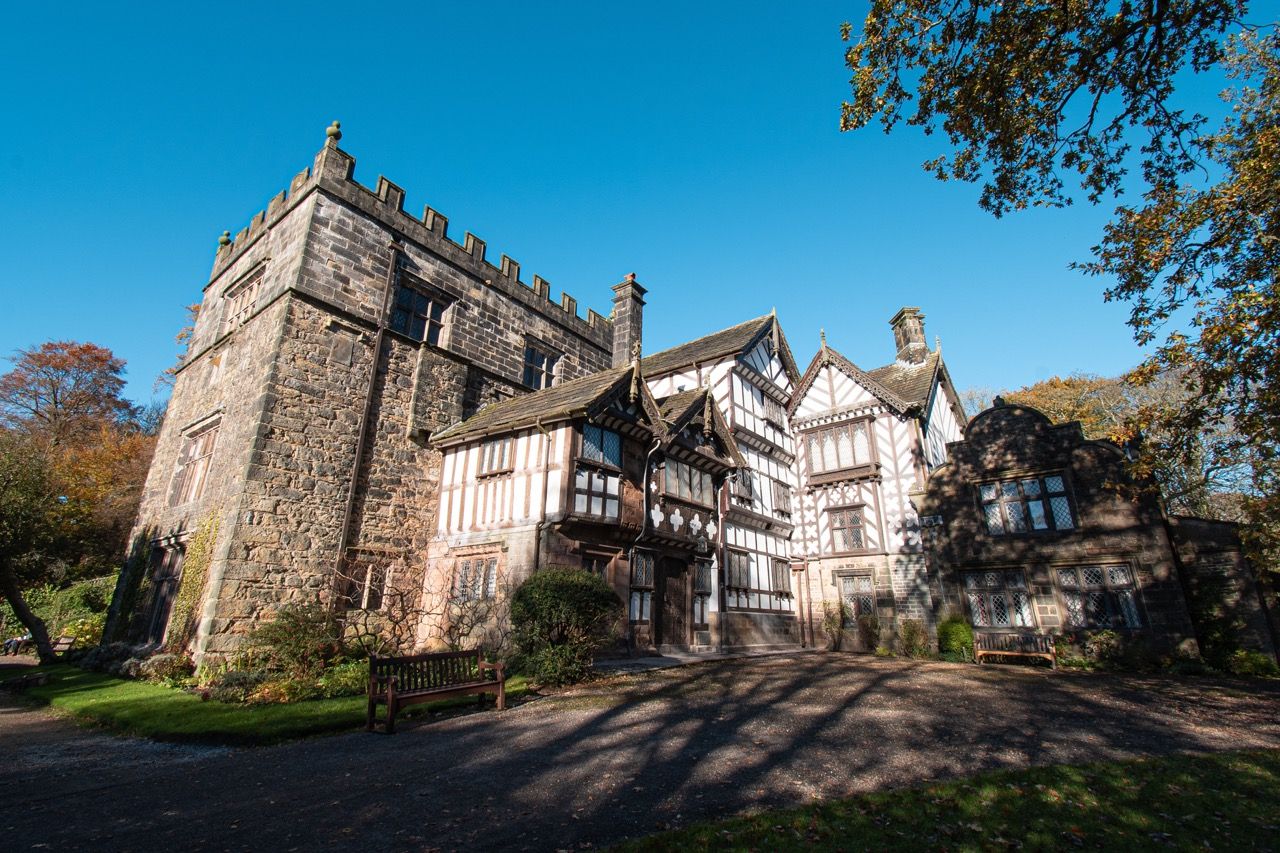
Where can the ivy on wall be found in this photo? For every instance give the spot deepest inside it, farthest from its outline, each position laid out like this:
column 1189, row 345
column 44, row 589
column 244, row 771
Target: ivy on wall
column 184, row 617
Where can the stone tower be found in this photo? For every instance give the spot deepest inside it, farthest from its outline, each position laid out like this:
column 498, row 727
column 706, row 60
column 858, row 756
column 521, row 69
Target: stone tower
column 336, row 333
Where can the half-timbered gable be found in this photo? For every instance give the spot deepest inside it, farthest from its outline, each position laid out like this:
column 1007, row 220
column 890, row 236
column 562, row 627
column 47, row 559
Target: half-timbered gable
column 750, row 373
column 862, row 457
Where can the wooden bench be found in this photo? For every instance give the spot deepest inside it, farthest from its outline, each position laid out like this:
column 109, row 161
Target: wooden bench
column 1006, row 644
column 60, row 646
column 400, row 681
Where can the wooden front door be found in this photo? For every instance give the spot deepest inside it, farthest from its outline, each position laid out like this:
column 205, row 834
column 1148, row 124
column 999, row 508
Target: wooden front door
column 673, row 626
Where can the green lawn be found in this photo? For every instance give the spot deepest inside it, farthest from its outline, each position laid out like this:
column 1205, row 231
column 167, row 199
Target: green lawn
column 163, row 713
column 1221, row 802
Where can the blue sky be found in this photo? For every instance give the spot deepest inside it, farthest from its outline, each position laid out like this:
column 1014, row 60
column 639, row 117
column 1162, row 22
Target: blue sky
column 693, row 144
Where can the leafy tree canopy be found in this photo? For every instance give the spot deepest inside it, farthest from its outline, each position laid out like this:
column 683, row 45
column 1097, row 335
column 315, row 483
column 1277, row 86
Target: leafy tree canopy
column 61, row 389
column 1035, row 96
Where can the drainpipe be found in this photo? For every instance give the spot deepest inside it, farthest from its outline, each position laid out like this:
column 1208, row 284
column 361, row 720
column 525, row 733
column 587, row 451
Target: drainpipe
column 542, row 512
column 344, row 532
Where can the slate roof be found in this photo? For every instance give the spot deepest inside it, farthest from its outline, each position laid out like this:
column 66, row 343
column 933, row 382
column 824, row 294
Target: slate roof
column 677, row 404
column 704, row 349
column 912, row 382
column 557, row 403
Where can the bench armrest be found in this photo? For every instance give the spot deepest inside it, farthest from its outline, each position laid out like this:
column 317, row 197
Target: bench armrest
column 498, row 668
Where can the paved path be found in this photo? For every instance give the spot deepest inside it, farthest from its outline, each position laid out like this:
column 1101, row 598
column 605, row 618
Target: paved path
column 621, row 758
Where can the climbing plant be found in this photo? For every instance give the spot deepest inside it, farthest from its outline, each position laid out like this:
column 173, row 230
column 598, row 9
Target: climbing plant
column 184, row 616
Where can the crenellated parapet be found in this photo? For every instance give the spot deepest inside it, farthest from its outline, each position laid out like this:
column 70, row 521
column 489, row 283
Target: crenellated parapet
column 333, row 173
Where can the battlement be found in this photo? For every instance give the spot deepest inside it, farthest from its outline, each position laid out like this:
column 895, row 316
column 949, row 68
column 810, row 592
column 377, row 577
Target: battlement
column 333, row 172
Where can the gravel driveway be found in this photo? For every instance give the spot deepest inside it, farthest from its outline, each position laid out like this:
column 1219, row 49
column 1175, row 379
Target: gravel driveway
column 620, row 758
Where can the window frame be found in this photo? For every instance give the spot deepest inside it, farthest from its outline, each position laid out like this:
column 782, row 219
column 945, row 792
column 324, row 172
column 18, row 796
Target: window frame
column 780, row 575
column 1044, row 497
column 1116, row 619
column 987, row 592
column 733, row 573
column 640, row 600
column 851, row 597
column 858, row 511
column 434, row 298
column 240, row 300
column 602, row 461
column 840, row 472
column 496, row 457
column 471, row 586
column 685, row 476
column 547, row 371
column 191, row 472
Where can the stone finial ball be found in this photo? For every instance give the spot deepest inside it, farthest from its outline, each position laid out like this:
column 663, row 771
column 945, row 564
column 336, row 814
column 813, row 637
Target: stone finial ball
column 225, row 239
column 334, row 131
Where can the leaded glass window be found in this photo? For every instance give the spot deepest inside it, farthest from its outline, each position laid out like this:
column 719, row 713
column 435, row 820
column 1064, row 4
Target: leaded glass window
column 601, row 445
column 495, row 456
column 641, row 586
column 859, row 596
column 839, row 448
column 1027, row 504
column 999, row 599
column 596, row 492
column 1099, row 597
column 475, row 579
column 688, row 483
column 847, row 532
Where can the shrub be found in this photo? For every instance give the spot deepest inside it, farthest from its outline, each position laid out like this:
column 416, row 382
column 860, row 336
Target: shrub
column 1247, row 664
column 869, row 631
column 87, row 629
column 884, row 652
column 299, row 642
column 284, row 689
column 912, row 639
column 1104, row 647
column 566, row 610
column 166, row 668
column 235, row 685
column 833, row 618
column 350, row 678
column 955, row 638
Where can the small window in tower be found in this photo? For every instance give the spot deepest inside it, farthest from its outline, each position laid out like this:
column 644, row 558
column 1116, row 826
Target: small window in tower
column 419, row 314
column 539, row 366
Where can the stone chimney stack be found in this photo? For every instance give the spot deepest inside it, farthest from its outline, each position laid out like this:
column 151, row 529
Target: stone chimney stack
column 628, row 318
column 908, row 335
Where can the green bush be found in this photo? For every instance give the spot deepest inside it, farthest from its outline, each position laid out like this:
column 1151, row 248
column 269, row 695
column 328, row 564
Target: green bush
column 955, row 637
column 833, row 618
column 1247, row 664
column 87, row 629
column 300, row 642
column 912, row 639
column 284, row 689
column 560, row 616
column 166, row 668
column 1104, row 647
column 235, row 685
column 350, row 678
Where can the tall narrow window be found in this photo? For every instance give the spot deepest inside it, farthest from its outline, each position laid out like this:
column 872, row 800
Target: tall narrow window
column 781, row 576
column 239, row 301
column 781, row 498
column 847, row 532
column 641, row 585
column 1026, row 505
column 597, row 485
column 739, row 570
column 193, row 465
column 418, row 315
column 166, row 571
column 539, row 367
column 365, row 584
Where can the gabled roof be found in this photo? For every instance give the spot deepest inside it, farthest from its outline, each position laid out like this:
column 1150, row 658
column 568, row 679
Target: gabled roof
column 734, row 340
column 828, row 356
column 911, row 382
column 692, row 408
column 559, row 402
